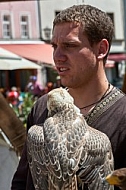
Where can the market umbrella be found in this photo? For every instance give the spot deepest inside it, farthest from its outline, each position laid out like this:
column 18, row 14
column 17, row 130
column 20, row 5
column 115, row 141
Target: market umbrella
column 11, row 61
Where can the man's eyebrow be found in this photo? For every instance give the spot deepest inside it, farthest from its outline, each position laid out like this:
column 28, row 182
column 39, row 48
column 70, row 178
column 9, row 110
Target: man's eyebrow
column 70, row 43
column 64, row 42
column 53, row 43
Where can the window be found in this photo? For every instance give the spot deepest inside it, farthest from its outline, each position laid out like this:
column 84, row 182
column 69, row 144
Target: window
column 57, row 12
column 24, row 27
column 111, row 15
column 6, row 26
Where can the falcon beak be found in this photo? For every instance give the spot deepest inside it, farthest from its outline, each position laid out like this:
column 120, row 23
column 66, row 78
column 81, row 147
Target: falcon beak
column 112, row 180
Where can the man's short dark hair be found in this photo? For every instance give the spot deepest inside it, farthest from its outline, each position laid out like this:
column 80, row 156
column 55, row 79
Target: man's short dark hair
column 97, row 25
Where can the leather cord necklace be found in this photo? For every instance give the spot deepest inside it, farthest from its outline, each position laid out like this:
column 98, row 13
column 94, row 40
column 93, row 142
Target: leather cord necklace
column 98, row 100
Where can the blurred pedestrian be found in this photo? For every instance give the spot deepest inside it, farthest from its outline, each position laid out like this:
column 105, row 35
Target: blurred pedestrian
column 13, row 96
column 49, row 86
column 3, row 92
column 34, row 87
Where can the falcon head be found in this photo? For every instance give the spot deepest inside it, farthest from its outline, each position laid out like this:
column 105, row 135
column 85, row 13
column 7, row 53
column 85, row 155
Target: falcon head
column 59, row 99
column 118, row 178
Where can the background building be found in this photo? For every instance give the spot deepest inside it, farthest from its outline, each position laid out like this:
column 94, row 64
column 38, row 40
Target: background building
column 20, row 34
column 26, row 29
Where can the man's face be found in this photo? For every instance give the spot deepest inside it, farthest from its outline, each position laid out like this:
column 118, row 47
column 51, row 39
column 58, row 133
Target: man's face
column 75, row 59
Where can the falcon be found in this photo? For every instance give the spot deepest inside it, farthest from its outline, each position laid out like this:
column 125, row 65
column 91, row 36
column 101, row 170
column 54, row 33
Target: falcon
column 118, row 178
column 64, row 153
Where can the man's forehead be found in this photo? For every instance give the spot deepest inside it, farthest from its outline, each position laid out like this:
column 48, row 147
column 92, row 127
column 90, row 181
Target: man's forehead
column 64, row 31
column 68, row 24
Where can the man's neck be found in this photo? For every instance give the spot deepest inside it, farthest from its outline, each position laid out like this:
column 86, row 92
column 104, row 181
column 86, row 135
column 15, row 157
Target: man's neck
column 86, row 98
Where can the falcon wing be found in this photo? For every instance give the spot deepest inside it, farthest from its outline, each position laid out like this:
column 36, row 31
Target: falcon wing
column 36, row 157
column 63, row 142
column 96, row 160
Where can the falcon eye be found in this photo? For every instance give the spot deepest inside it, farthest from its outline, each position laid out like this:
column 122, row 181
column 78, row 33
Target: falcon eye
column 121, row 177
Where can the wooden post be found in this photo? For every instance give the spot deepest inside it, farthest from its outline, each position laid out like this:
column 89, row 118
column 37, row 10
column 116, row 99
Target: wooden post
column 11, row 125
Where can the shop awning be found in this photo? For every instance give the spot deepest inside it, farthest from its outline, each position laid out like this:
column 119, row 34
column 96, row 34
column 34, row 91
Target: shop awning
column 117, row 57
column 11, row 61
column 41, row 53
column 110, row 63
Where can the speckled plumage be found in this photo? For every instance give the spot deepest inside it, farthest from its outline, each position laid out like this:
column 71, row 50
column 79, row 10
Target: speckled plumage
column 64, row 153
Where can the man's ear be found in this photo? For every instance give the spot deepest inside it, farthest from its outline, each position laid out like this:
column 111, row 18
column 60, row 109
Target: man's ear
column 103, row 48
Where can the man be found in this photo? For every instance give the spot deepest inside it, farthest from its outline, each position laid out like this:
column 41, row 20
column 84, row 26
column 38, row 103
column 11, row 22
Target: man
column 81, row 40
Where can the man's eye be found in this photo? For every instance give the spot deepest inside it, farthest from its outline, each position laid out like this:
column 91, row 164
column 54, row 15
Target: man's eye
column 69, row 45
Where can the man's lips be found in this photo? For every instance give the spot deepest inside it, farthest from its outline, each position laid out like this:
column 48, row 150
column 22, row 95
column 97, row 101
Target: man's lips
column 62, row 69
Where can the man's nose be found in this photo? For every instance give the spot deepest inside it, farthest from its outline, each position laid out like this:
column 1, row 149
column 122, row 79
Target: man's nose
column 58, row 55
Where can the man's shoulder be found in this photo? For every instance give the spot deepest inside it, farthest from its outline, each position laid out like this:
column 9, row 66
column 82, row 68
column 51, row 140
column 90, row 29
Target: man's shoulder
column 41, row 102
column 119, row 103
column 39, row 111
column 122, row 95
